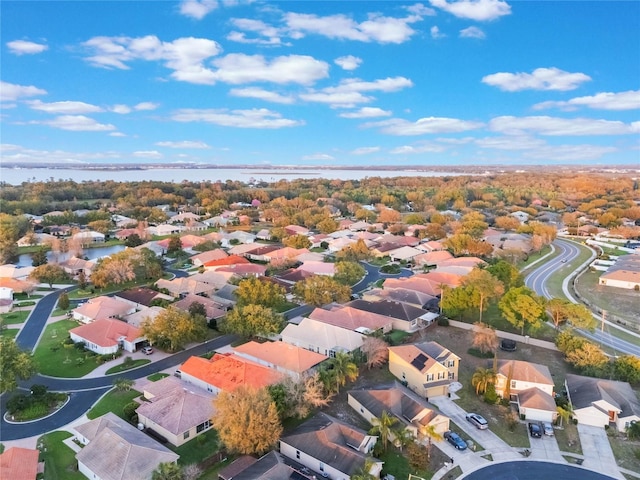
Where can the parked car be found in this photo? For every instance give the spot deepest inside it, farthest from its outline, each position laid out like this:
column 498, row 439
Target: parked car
column 508, row 345
column 147, row 350
column 478, row 420
column 535, row 430
column 454, row 439
column 547, row 429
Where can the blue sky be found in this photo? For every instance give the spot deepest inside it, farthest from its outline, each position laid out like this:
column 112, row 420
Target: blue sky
column 442, row 82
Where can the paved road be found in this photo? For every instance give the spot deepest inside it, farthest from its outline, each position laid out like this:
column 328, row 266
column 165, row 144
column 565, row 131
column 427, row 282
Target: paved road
column 86, row 391
column 538, row 280
column 526, row 470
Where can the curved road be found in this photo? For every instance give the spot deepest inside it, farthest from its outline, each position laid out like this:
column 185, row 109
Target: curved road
column 538, row 278
column 528, row 470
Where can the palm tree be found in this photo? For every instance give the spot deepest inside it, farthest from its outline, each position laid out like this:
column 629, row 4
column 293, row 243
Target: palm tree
column 382, row 427
column 167, row 471
column 482, row 378
column 343, row 369
column 564, row 413
column 403, row 437
column 364, row 472
column 432, row 435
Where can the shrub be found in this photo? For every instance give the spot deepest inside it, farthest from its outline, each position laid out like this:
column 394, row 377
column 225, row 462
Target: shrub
column 129, row 410
column 443, row 321
column 79, row 345
column 477, row 353
column 490, row 395
column 38, row 390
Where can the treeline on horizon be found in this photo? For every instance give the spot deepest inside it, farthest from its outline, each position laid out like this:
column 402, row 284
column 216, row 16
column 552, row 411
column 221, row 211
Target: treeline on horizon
column 584, row 191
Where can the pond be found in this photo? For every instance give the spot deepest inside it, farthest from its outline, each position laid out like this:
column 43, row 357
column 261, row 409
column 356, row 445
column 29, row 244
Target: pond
column 91, row 253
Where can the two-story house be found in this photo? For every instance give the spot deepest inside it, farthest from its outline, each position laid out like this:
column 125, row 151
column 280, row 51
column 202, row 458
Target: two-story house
column 426, row 368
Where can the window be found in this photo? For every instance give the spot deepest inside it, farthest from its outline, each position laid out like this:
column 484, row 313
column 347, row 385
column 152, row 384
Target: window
column 203, row 426
column 185, row 435
column 321, row 467
column 452, row 376
column 513, row 384
column 332, row 353
column 429, row 377
column 298, row 454
column 440, row 375
column 452, row 363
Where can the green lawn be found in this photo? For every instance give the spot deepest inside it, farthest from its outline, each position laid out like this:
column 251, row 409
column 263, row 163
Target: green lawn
column 114, row 401
column 157, row 376
column 60, row 461
column 52, row 358
column 9, row 332
column 127, row 366
column 198, row 449
column 396, row 464
column 24, row 296
column 14, row 317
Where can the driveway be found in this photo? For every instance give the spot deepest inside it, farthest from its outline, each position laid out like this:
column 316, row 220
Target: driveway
column 597, row 451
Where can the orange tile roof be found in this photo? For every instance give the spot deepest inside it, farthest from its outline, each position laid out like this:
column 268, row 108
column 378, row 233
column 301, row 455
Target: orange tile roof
column 230, row 260
column 351, row 318
column 19, row 464
column 286, row 356
column 227, row 372
column 17, row 286
column 107, row 332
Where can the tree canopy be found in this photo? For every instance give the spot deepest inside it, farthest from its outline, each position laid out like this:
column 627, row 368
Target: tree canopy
column 15, row 364
column 260, row 292
column 320, row 289
column 253, row 320
column 523, row 309
column 173, row 328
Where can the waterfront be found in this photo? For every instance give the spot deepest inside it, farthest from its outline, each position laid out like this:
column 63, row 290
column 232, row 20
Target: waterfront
column 90, row 253
column 15, row 176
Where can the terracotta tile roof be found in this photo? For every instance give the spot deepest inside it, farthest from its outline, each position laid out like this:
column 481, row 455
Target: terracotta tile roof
column 18, row 463
column 285, row 252
column 228, row 372
column 536, row 398
column 212, row 308
column 215, row 254
column 288, row 357
column 622, row 275
column 244, row 269
column 432, row 258
column 417, row 283
column 103, row 307
column 107, row 332
column 230, row 260
column 18, row 286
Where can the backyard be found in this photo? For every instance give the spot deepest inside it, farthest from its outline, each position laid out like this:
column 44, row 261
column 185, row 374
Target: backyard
column 114, row 401
column 60, row 461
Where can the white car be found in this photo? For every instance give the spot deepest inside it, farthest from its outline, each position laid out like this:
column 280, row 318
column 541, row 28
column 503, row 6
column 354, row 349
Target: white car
column 547, row 429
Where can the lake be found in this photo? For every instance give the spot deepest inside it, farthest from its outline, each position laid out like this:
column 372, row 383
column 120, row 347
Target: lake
column 15, row 176
column 91, row 253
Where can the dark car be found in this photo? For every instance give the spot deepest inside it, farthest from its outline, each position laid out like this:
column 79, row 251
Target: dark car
column 478, row 420
column 454, row 439
column 508, row 345
column 535, row 430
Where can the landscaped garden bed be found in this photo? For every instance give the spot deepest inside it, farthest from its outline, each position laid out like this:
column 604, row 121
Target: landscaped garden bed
column 128, row 364
column 37, row 404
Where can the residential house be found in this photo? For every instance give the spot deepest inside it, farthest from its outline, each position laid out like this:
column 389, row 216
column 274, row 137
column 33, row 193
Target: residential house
column 89, row 237
column 321, row 337
column 187, row 242
column 17, row 463
column 225, row 262
column 402, row 295
column 426, row 368
column 404, row 317
column 74, row 266
column 102, row 307
column 176, row 410
column 406, row 254
column 214, row 312
column 331, row 447
column 137, row 319
column 284, row 254
column 141, row 297
column 201, row 258
column 258, row 252
column 264, row 234
column 411, row 412
column 105, row 336
column 418, row 283
column 225, row 297
column 35, row 239
column 6, row 299
column 181, row 286
column 528, row 384
column 17, row 286
column 319, row 268
column 226, row 372
column 185, row 218
column 431, row 259
column 296, row 230
column 282, row 357
column 164, row 229
column 627, row 279
column 115, row 450
column 599, row 402
column 350, row 318
column 244, row 270
column 270, row 466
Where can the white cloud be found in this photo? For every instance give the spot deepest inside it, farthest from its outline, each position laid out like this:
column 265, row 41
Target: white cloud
column 67, row 107
column 240, row 68
column 185, row 56
column 420, row 9
column 456, row 141
column 18, row 153
column 365, row 150
column 435, row 32
column 510, row 143
column 23, row 47
column 479, row 10
column 150, row 154
column 10, row 92
column 336, row 99
column 121, row 109
column 318, row 156
column 422, row 126
column 554, row 126
column 262, row 94
column 569, row 153
column 144, row 106
column 77, row 123
column 417, row 148
column 376, row 29
column 367, row 112
column 472, row 32
column 117, row 134
column 255, row 118
column 540, row 79
column 348, row 62
column 184, row 144
column 348, row 93
column 197, row 9
column 629, row 100
column 271, row 34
